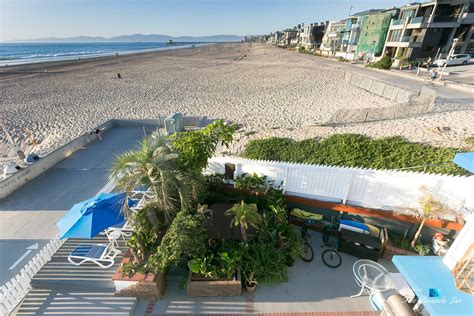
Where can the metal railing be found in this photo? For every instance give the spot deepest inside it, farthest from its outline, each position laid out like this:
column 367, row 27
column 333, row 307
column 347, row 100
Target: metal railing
column 412, row 39
column 451, row 18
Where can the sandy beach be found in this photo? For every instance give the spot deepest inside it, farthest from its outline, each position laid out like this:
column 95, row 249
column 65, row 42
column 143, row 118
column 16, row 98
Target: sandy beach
column 270, row 91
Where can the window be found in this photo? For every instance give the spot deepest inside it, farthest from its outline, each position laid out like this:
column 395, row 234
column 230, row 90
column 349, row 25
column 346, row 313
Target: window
column 428, row 48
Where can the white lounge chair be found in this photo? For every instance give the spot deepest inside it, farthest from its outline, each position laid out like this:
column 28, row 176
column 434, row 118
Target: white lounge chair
column 100, row 254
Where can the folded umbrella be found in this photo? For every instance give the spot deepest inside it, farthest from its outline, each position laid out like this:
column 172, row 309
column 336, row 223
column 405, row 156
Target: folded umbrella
column 88, row 218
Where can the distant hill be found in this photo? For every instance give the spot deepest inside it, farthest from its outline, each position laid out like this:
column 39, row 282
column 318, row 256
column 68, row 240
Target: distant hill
column 138, row 38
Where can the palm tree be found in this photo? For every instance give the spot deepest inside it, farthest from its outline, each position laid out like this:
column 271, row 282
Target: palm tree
column 244, row 215
column 155, row 165
column 429, row 209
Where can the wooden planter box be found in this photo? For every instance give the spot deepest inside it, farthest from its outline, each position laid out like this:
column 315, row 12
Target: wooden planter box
column 213, row 287
column 147, row 286
column 391, row 251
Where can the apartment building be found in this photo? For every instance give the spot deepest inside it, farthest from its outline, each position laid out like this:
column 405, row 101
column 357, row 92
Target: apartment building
column 311, row 36
column 332, row 38
column 427, row 29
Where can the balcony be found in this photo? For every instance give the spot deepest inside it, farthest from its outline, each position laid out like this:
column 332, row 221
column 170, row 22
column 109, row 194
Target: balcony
column 417, row 20
column 412, row 39
column 406, row 41
column 398, row 22
column 446, row 19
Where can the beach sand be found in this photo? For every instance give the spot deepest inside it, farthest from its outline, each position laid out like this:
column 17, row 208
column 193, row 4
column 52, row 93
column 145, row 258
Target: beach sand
column 271, row 91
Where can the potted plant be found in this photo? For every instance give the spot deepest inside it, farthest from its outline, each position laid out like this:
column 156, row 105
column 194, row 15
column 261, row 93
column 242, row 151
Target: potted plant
column 429, row 208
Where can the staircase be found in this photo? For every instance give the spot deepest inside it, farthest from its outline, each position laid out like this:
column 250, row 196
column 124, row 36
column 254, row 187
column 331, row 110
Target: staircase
column 463, row 272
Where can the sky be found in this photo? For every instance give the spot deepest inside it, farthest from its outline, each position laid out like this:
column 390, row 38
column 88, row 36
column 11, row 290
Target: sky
column 29, row 19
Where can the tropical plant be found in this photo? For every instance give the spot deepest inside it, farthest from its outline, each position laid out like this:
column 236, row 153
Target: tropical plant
column 203, row 266
column 155, row 165
column 264, row 263
column 252, row 182
column 244, row 215
column 185, row 237
column 196, row 147
column 429, row 208
column 145, row 238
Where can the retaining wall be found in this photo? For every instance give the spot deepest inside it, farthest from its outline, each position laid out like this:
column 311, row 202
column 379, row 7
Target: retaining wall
column 408, row 103
column 17, row 180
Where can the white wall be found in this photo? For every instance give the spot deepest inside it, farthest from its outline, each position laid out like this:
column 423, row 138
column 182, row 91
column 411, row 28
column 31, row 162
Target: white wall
column 381, row 189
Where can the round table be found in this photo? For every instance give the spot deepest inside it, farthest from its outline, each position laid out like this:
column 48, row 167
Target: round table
column 371, row 277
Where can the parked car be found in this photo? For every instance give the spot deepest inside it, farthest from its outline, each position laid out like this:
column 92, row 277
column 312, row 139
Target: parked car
column 458, row 59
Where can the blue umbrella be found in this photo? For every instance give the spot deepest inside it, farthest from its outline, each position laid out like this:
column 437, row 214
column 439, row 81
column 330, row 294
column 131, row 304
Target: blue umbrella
column 465, row 160
column 88, row 218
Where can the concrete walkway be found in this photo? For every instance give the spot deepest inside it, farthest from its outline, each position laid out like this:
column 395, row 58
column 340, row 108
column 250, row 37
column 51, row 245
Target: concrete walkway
column 401, row 80
column 28, row 216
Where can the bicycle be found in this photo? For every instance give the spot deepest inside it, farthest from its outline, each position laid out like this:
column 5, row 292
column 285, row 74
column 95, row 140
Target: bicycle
column 308, row 253
column 331, row 257
column 308, row 219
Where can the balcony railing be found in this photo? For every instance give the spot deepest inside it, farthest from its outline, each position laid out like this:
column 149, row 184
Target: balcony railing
column 398, row 22
column 419, row 19
column 412, row 39
column 451, row 18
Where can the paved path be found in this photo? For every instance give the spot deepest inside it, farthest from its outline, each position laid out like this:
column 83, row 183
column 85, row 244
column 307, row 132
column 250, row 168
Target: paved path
column 402, row 80
column 28, row 216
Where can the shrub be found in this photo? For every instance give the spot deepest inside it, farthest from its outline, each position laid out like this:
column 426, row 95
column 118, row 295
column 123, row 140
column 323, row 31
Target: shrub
column 354, row 150
column 384, row 63
column 266, row 262
column 185, row 237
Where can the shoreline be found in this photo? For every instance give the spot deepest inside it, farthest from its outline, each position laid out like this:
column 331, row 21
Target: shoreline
column 120, row 57
column 269, row 91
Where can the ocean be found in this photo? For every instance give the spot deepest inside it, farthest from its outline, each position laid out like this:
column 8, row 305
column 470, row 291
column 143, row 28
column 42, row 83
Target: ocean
column 26, row 53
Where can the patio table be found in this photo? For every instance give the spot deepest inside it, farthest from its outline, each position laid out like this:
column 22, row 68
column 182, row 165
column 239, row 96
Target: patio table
column 371, row 277
column 433, row 284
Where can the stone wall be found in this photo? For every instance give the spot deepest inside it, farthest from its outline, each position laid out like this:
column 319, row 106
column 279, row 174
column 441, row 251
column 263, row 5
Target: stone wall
column 408, row 103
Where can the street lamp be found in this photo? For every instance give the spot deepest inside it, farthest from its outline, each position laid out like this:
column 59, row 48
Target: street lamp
column 451, row 52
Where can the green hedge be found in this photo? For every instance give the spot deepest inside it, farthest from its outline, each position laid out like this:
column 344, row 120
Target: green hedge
column 355, row 150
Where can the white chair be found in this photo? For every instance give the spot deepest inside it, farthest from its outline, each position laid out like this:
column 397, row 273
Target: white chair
column 100, row 254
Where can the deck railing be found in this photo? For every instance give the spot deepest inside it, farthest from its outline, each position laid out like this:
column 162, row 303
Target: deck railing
column 13, row 292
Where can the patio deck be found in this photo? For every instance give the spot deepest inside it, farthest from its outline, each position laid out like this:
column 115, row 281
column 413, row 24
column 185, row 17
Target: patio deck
column 60, row 275
column 313, row 289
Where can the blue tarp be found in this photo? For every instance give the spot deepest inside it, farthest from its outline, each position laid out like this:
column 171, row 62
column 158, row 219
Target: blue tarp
column 88, row 218
column 465, row 160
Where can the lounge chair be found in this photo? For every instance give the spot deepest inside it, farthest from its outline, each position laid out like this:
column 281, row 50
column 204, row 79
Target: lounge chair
column 100, row 254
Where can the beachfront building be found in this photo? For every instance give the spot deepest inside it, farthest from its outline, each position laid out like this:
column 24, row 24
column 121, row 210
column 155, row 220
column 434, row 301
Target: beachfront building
column 311, row 35
column 332, row 37
column 425, row 30
column 288, row 38
column 373, row 32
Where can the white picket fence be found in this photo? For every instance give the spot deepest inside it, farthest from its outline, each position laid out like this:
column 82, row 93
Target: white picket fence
column 16, row 289
column 13, row 292
column 380, row 189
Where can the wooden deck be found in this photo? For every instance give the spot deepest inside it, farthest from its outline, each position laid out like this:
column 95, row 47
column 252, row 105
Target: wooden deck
column 59, row 274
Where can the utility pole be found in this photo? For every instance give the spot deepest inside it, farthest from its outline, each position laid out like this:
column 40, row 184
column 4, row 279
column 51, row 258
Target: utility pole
column 451, row 52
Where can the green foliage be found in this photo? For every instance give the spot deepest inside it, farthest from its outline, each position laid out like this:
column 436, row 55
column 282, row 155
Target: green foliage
column 355, row 150
column 384, row 63
column 264, row 263
column 155, row 165
column 244, row 215
column 401, row 242
column 185, row 236
column 220, row 261
column 252, row 182
column 422, row 250
column 145, row 238
column 196, row 147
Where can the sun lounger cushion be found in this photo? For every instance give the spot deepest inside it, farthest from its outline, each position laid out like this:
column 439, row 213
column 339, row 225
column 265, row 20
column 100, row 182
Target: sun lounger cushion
column 89, row 251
